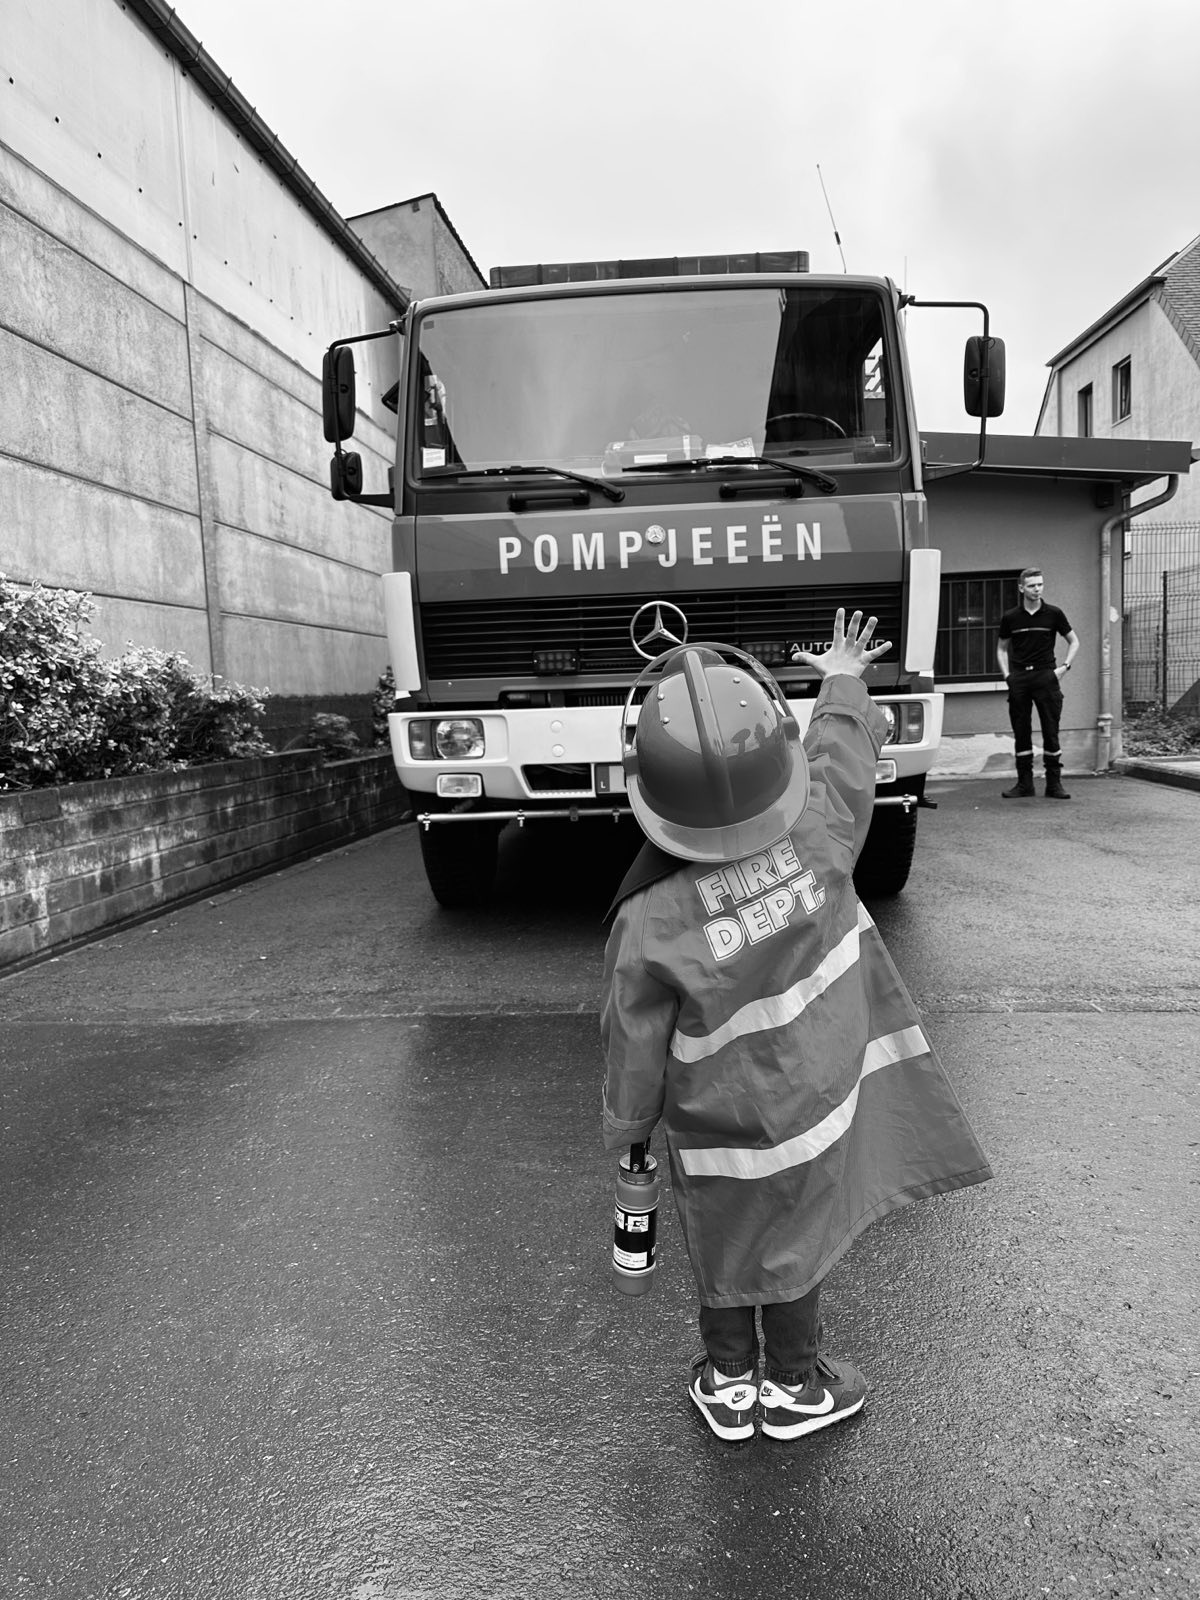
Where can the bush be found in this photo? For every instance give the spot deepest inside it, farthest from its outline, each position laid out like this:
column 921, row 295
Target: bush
column 1149, row 733
column 382, row 701
column 52, row 687
column 332, row 735
column 67, row 715
column 212, row 721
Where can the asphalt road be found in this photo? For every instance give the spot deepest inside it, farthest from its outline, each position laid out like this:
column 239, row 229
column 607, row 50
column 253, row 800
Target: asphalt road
column 305, row 1225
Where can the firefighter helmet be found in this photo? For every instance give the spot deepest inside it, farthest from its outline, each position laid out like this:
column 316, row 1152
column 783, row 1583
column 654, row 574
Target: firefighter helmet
column 714, row 765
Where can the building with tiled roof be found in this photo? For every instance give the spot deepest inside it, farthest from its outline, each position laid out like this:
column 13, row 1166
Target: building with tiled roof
column 1134, row 373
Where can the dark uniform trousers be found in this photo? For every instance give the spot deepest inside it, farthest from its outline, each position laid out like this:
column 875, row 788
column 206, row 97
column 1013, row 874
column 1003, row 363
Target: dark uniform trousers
column 1029, row 687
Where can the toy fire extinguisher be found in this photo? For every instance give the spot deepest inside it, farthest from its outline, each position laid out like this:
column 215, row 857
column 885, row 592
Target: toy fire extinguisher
column 635, row 1221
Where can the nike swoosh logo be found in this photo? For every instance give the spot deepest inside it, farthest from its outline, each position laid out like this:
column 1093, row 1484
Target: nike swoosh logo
column 817, row 1411
column 821, row 1410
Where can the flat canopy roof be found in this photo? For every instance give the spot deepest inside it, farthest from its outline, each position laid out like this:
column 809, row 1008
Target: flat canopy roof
column 1130, row 461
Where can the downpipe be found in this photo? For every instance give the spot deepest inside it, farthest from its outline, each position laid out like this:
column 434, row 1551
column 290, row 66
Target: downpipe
column 1104, row 719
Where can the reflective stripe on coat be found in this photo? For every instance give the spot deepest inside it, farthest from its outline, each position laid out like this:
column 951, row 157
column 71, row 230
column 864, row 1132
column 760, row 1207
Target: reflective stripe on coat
column 754, row 1009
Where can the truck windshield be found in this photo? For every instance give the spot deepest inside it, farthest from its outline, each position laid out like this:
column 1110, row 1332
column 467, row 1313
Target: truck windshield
column 609, row 383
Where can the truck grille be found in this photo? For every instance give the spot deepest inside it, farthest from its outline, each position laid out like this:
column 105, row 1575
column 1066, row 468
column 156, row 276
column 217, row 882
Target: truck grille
column 497, row 638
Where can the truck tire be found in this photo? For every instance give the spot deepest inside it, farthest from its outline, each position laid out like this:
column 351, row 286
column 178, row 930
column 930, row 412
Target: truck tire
column 883, row 867
column 460, row 861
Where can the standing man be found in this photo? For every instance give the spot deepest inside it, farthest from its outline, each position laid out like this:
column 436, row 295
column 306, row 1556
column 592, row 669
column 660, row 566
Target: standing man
column 1033, row 679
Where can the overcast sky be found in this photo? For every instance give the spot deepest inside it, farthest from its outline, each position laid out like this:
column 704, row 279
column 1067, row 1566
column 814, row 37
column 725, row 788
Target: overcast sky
column 1042, row 156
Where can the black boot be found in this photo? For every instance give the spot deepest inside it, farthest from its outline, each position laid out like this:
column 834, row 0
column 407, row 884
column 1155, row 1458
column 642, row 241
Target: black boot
column 1023, row 788
column 1054, row 788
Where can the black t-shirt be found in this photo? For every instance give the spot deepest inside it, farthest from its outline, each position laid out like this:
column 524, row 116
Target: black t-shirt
column 1031, row 634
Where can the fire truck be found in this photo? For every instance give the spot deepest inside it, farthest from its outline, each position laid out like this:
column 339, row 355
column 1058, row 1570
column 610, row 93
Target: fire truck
column 597, row 461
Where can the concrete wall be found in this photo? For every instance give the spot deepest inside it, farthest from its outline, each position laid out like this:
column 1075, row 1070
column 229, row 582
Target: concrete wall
column 421, row 248
column 165, row 302
column 990, row 523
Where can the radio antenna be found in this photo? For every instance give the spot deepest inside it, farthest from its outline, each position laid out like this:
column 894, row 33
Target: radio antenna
column 837, row 236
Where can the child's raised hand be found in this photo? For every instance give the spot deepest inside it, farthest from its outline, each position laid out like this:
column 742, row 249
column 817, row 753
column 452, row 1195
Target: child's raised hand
column 849, row 652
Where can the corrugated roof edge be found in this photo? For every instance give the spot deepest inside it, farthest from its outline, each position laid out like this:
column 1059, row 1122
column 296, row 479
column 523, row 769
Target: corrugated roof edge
column 1132, row 461
column 164, row 23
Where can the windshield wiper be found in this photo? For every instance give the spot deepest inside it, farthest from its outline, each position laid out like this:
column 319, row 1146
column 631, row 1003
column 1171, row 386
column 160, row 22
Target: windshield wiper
column 610, row 490
column 810, row 474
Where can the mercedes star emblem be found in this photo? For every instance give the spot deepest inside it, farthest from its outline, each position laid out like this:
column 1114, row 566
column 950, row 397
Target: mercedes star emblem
column 649, row 633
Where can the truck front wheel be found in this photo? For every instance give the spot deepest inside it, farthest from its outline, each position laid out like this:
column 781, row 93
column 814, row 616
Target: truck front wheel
column 883, row 867
column 460, row 861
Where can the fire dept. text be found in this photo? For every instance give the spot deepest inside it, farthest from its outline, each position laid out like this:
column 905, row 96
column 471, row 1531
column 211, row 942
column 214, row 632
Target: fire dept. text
column 757, row 915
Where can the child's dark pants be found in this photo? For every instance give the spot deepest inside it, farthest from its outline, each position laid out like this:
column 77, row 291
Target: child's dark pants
column 791, row 1334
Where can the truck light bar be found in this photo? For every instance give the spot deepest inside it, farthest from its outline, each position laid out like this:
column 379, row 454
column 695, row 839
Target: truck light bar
column 521, row 277
column 771, row 652
column 547, row 662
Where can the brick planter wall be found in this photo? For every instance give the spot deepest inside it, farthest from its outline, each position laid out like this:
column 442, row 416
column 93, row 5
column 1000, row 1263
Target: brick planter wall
column 88, row 856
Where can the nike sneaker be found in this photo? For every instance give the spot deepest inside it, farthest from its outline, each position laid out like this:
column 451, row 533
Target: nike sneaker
column 834, row 1390
column 726, row 1404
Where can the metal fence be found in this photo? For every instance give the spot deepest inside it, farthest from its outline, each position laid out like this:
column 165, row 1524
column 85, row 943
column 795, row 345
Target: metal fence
column 1161, row 629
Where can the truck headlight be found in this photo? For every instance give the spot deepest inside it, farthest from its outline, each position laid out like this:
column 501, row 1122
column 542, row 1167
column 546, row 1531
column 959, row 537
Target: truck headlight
column 448, row 739
column 906, row 721
column 459, row 739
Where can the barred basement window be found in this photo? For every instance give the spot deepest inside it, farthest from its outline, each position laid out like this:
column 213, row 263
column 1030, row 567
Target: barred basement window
column 972, row 604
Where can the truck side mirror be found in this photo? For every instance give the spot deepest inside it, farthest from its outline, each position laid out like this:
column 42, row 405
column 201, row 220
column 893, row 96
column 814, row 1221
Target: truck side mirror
column 975, row 400
column 337, row 393
column 346, row 475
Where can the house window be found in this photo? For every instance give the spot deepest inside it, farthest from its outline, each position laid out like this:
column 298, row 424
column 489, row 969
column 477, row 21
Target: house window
column 1085, row 412
column 1122, row 396
column 972, row 604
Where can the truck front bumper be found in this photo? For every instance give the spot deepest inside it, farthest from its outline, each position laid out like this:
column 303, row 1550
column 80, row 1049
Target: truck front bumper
column 566, row 761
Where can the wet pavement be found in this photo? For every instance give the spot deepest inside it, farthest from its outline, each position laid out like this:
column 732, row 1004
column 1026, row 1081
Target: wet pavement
column 305, row 1233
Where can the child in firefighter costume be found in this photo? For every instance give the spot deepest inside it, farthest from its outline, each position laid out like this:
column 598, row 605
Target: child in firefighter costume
column 752, row 1007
